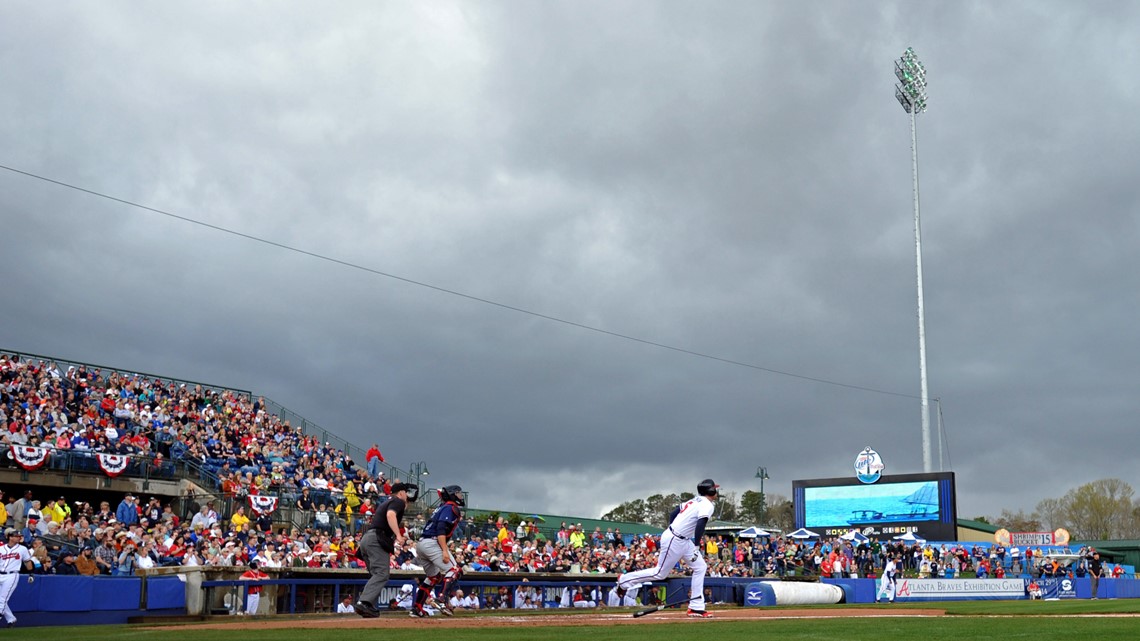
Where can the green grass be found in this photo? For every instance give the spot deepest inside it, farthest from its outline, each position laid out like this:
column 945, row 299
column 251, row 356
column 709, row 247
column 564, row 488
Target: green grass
column 1033, row 621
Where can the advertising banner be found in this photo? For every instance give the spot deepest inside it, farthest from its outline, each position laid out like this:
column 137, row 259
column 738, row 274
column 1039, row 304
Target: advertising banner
column 1057, row 588
column 958, row 589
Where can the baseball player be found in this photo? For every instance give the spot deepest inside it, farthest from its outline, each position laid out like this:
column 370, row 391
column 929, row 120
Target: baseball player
column 384, row 532
column 253, row 592
column 12, row 555
column 890, row 576
column 679, row 542
column 619, row 598
column 440, row 568
column 406, row 600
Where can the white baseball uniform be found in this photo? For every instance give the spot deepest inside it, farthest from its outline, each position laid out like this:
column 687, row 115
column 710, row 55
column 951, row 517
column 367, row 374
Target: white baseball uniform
column 12, row 558
column 677, row 545
column 887, row 585
column 627, row 601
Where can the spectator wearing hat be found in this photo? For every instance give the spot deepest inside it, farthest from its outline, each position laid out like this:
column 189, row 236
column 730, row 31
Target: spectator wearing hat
column 65, row 566
column 153, row 511
column 31, row 529
column 125, row 562
column 85, row 562
column 127, row 513
column 59, row 511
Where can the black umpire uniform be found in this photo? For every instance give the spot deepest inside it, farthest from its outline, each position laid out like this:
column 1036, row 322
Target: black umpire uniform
column 377, row 545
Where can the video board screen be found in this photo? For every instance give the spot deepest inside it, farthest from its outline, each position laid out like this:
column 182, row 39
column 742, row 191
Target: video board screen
column 921, row 503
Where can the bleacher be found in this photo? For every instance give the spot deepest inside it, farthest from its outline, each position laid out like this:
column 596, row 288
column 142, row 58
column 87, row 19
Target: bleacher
column 74, row 419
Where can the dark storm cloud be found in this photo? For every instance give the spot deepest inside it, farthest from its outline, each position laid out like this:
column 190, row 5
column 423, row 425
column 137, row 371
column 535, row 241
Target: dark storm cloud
column 731, row 179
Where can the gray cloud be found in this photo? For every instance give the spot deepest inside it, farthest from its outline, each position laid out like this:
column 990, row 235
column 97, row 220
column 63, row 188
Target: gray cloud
column 729, row 179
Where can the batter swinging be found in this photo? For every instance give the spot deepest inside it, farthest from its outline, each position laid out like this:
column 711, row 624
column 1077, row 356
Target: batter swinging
column 680, row 542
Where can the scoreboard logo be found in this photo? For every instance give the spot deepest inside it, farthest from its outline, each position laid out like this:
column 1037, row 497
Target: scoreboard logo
column 868, row 466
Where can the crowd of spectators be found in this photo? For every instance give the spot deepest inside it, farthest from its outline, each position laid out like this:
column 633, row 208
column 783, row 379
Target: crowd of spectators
column 244, row 450
column 239, row 446
column 118, row 540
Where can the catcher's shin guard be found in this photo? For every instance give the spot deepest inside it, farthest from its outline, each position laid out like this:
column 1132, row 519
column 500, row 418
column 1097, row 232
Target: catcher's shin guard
column 422, row 592
column 449, row 580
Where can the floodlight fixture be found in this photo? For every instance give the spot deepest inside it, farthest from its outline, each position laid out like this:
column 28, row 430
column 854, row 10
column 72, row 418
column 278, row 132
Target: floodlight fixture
column 910, row 91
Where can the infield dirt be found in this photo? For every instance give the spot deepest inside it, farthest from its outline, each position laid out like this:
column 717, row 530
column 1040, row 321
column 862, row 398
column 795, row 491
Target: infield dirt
column 401, row 621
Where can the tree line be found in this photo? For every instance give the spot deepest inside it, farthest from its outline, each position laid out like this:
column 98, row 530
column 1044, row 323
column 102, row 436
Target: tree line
column 1098, row 511
column 1104, row 510
column 771, row 510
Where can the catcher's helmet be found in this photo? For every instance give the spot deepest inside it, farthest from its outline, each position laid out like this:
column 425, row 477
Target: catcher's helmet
column 451, row 494
column 707, row 487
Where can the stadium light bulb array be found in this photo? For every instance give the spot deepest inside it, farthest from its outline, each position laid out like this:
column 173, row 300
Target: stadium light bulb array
column 911, row 89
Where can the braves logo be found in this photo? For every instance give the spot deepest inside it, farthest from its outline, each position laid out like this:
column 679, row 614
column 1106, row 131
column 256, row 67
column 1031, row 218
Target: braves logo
column 903, row 589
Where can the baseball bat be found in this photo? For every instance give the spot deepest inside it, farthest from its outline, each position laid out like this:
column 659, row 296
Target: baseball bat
column 658, row 608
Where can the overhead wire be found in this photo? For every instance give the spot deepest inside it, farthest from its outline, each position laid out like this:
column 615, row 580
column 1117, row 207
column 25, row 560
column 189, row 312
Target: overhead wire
column 452, row 292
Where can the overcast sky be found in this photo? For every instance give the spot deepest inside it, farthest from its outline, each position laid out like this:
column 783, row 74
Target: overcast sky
column 728, row 178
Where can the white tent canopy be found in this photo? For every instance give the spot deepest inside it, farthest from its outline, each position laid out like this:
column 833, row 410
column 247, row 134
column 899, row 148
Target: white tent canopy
column 752, row 532
column 910, row 537
column 855, row 535
column 804, row 533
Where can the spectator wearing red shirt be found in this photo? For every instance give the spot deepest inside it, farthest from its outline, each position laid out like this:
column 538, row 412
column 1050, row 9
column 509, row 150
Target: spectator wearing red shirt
column 373, row 458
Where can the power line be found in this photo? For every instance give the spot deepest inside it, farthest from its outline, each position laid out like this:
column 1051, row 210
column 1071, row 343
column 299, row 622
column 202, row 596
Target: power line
column 452, row 292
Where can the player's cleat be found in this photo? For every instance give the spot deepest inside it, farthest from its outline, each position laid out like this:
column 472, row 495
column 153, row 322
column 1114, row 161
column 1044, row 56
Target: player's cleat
column 417, row 613
column 366, row 610
column 699, row 614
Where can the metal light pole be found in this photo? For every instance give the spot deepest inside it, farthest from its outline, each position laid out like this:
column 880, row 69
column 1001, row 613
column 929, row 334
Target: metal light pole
column 911, row 94
column 762, row 474
column 417, row 471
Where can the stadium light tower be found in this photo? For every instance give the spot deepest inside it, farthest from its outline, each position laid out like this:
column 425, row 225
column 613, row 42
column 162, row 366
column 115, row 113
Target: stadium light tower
column 911, row 94
column 762, row 474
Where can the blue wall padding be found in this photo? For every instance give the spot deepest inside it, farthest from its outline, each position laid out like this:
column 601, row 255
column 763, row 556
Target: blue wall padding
column 116, row 593
column 26, row 598
column 66, row 593
column 165, row 592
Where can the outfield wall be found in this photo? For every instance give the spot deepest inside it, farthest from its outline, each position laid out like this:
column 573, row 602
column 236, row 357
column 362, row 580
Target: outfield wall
column 84, row 600
column 78, row 600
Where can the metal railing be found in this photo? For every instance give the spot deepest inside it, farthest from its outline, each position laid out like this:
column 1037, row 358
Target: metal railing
column 64, row 363
column 149, row 468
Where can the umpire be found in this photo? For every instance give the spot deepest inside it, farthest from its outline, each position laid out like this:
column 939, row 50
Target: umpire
column 381, row 536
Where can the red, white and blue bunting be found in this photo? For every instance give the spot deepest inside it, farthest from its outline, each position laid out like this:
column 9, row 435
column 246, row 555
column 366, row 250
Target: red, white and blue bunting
column 263, row 504
column 29, row 458
column 113, row 464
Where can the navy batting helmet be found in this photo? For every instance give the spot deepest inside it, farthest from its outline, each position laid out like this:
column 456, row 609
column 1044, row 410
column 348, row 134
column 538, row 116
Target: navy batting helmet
column 451, row 494
column 707, row 487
